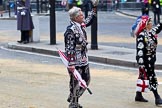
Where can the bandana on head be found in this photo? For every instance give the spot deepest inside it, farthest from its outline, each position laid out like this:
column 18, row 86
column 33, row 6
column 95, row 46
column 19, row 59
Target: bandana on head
column 140, row 24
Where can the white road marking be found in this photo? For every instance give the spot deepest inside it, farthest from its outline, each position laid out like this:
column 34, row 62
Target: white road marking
column 100, row 64
column 27, row 52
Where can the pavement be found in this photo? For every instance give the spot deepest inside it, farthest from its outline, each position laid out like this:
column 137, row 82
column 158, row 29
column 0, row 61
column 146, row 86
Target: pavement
column 112, row 55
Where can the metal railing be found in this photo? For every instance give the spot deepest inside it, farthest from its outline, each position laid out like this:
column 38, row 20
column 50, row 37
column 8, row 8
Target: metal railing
column 130, row 5
column 104, row 5
column 107, row 5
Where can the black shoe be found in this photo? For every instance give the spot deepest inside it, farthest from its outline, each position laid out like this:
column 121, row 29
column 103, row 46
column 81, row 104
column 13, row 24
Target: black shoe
column 140, row 98
column 19, row 41
column 75, row 105
column 158, row 101
column 25, row 42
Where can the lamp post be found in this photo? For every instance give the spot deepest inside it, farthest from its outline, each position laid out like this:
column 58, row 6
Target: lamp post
column 52, row 22
column 37, row 6
column 1, row 2
column 94, row 27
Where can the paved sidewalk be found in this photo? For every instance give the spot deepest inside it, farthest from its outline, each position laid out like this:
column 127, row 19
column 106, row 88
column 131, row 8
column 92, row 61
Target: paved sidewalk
column 133, row 13
column 105, row 54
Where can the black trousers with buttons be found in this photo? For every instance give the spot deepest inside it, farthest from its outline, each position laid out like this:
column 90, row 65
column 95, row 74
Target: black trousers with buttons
column 75, row 90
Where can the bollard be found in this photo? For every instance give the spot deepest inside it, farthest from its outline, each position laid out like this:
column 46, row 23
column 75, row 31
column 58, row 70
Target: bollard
column 35, row 32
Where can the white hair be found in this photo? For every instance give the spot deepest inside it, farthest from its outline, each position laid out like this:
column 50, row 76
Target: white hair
column 74, row 12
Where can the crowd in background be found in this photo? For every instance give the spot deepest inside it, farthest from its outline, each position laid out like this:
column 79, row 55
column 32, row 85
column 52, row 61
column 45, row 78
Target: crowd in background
column 155, row 6
column 85, row 5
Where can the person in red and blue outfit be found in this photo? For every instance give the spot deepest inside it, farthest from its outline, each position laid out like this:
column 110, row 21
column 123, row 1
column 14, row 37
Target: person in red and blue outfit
column 146, row 44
